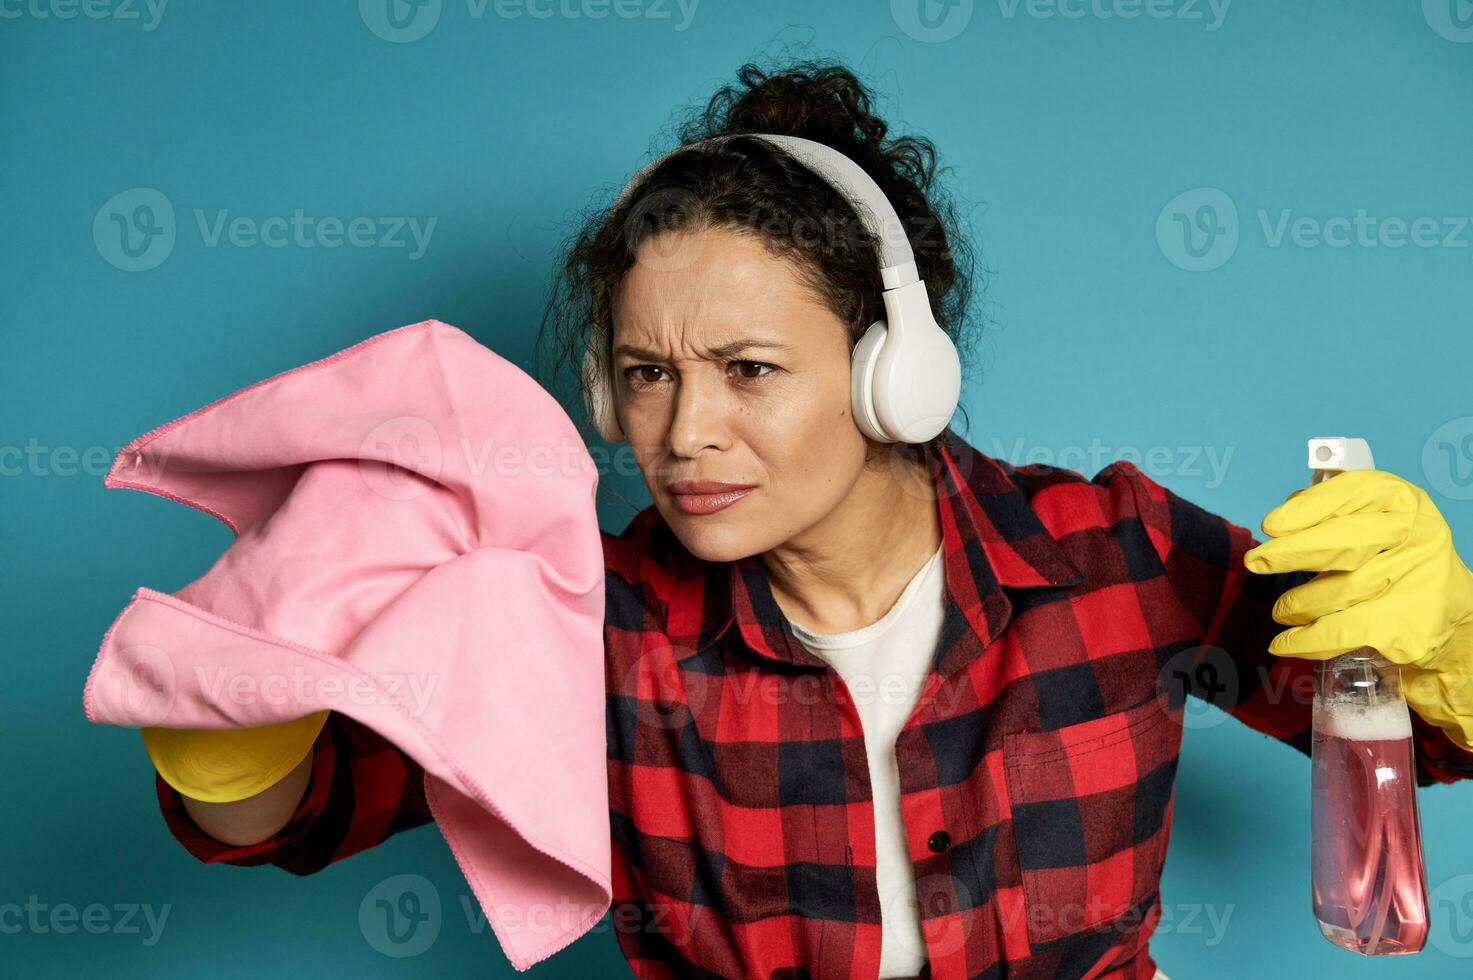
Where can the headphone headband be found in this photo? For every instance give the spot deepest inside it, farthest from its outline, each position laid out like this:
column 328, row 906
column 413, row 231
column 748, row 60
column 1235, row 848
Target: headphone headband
column 897, row 261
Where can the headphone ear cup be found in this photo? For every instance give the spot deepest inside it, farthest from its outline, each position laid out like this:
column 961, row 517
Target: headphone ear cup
column 862, row 381
column 917, row 384
column 600, row 397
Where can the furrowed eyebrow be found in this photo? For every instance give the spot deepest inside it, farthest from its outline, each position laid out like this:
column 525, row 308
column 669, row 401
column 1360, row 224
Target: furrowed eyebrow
column 715, row 353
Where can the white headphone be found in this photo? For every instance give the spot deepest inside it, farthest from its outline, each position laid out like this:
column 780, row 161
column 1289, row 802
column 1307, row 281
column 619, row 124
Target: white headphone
column 905, row 374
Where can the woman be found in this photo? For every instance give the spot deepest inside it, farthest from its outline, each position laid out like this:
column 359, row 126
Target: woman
column 874, row 709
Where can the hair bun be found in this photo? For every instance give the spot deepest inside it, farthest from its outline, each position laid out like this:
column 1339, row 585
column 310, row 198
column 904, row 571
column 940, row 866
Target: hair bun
column 822, row 102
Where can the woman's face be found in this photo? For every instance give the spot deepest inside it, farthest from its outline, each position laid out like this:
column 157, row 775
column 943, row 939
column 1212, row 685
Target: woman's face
column 774, row 414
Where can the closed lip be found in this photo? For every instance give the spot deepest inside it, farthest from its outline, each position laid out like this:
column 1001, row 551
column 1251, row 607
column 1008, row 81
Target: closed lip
column 705, row 486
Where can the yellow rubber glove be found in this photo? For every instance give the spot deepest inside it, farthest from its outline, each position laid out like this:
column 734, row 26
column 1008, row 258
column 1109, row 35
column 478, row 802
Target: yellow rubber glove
column 1389, row 578
column 222, row 765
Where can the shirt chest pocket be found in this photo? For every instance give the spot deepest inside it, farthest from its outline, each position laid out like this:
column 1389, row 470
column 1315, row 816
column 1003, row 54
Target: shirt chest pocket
column 1091, row 809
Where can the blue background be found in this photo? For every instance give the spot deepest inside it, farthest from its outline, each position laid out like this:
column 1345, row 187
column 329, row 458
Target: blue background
column 1071, row 140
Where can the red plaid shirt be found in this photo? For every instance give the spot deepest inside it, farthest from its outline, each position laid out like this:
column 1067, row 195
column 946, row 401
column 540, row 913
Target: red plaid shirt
column 1036, row 770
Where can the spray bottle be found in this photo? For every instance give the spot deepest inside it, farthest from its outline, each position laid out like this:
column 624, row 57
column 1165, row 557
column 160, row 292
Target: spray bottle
column 1368, row 880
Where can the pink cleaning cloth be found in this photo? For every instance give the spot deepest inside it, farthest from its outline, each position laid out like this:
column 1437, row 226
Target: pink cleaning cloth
column 416, row 547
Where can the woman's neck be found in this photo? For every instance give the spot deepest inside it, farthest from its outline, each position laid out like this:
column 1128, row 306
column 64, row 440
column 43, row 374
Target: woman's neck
column 849, row 569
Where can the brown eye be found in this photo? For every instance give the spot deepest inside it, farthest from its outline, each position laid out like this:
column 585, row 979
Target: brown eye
column 636, row 378
column 743, row 368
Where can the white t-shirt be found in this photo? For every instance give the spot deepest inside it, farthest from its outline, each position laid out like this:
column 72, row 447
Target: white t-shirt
column 883, row 665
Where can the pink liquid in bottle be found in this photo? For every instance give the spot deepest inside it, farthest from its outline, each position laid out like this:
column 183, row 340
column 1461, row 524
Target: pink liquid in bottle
column 1368, row 879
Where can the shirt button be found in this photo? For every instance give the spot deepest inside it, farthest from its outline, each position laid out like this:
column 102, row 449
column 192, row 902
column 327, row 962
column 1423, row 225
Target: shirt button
column 939, row 841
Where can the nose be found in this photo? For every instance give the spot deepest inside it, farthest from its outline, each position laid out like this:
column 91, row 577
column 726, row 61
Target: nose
column 699, row 421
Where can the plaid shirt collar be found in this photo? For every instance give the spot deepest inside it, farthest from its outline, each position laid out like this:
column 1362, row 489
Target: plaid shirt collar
column 992, row 539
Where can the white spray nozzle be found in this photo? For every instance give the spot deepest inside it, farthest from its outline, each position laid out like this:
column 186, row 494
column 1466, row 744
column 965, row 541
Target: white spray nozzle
column 1339, row 453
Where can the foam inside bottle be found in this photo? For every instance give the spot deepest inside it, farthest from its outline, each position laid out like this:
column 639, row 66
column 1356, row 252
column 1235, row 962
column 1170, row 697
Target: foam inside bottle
column 1363, row 722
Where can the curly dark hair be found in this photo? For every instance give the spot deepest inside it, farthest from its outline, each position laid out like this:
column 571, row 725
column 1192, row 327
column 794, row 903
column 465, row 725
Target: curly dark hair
column 749, row 184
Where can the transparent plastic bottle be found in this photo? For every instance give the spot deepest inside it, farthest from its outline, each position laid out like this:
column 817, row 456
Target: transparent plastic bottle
column 1368, row 879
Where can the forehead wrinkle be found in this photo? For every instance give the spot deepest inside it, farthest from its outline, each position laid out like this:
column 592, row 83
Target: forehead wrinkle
column 700, row 321
column 720, row 298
